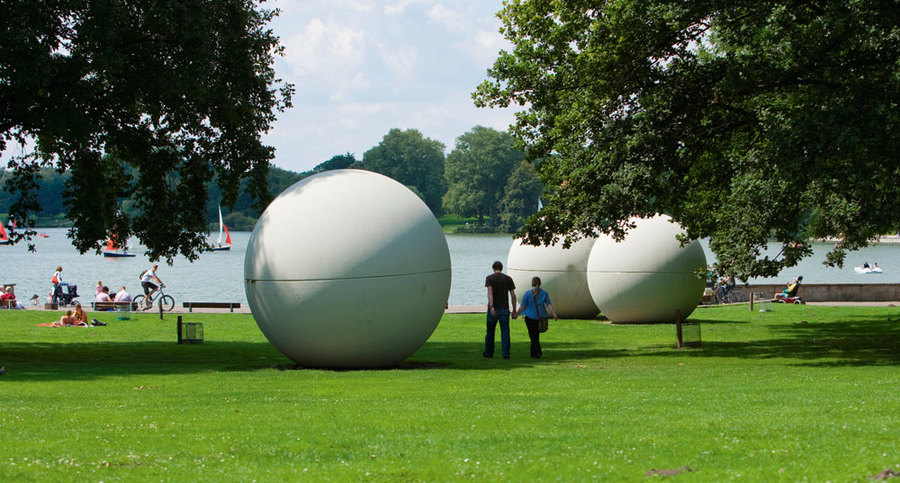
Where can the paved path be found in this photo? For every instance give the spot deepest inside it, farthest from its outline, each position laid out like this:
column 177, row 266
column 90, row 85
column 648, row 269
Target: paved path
column 245, row 309
column 480, row 309
column 894, row 303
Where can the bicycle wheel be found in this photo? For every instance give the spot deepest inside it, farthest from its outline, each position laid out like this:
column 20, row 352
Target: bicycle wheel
column 139, row 302
column 718, row 297
column 167, row 302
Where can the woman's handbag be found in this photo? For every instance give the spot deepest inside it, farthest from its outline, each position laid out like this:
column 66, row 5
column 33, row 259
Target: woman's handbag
column 543, row 322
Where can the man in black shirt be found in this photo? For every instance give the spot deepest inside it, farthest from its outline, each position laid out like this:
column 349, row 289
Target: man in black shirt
column 500, row 289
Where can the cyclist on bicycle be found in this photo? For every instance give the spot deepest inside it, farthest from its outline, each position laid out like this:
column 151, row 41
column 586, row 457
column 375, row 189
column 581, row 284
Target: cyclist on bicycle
column 149, row 287
column 726, row 287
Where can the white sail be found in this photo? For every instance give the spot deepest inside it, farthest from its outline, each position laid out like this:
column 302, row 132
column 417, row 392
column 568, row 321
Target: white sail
column 220, row 226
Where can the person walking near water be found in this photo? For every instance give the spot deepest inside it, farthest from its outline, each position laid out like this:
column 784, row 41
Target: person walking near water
column 57, row 285
column 500, row 290
column 535, row 305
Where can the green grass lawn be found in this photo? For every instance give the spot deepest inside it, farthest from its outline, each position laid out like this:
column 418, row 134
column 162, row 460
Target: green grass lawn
column 799, row 393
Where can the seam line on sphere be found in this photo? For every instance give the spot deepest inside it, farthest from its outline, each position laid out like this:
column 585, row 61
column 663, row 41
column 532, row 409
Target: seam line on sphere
column 341, row 278
column 530, row 270
column 624, row 271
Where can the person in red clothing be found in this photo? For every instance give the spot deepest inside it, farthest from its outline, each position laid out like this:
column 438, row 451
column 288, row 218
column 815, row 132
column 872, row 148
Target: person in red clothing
column 8, row 300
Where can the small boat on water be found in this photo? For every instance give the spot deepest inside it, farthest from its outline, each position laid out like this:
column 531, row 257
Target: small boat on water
column 868, row 270
column 4, row 238
column 112, row 250
column 42, row 235
column 219, row 247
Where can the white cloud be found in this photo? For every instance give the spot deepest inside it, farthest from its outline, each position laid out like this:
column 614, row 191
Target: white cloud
column 400, row 60
column 327, row 58
column 484, row 45
column 324, row 45
column 355, row 5
column 363, row 67
column 451, row 18
column 398, row 7
column 358, row 6
column 358, row 82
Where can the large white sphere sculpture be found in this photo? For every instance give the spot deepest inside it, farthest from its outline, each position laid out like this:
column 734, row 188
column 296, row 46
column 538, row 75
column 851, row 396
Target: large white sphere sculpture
column 347, row 268
column 563, row 273
column 648, row 276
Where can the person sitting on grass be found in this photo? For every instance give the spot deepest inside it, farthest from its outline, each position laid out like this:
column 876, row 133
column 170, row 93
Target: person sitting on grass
column 80, row 316
column 68, row 320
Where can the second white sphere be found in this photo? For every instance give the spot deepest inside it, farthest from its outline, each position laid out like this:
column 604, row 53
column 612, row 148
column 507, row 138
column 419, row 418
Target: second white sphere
column 563, row 273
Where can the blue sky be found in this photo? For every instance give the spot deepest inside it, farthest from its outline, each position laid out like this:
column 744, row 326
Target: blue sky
column 362, row 67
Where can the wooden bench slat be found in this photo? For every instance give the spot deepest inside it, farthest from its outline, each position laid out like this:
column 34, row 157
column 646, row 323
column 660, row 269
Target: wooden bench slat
column 212, row 305
column 112, row 305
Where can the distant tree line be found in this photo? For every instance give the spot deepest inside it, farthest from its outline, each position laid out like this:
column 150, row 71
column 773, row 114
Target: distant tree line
column 484, row 177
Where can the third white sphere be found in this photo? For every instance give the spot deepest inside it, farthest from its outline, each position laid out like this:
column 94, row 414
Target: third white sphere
column 648, row 276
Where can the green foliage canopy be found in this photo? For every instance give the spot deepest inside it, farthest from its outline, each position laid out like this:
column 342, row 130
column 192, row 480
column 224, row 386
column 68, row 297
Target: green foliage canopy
column 340, row 161
column 412, row 159
column 520, row 200
column 177, row 91
column 477, row 172
column 743, row 120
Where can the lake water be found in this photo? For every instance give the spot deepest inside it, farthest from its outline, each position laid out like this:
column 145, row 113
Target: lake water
column 218, row 276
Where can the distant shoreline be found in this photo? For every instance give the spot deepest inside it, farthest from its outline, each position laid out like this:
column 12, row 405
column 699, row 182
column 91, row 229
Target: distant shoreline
column 885, row 239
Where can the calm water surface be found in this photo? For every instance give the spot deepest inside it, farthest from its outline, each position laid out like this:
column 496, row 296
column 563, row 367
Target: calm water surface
column 218, row 276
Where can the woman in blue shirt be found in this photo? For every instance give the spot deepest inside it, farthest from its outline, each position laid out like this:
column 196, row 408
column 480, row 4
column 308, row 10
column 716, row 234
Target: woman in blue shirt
column 535, row 304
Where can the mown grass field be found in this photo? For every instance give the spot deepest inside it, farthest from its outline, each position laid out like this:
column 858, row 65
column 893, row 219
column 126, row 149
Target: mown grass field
column 799, row 393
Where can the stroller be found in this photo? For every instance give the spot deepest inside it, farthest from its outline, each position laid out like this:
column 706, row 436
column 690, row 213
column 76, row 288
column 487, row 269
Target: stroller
column 65, row 294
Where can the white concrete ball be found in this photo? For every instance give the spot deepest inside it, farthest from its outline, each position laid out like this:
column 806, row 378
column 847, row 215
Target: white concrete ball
column 347, row 268
column 563, row 273
column 648, row 276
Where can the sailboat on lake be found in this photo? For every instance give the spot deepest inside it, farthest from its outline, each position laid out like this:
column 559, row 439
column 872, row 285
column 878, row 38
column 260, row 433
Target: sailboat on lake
column 219, row 247
column 112, row 249
column 4, row 238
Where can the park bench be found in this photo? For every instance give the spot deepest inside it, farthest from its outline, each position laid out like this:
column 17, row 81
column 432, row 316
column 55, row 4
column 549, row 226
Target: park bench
column 212, row 305
column 101, row 306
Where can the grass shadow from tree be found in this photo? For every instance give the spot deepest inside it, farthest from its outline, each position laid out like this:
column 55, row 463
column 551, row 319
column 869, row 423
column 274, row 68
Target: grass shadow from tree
column 852, row 341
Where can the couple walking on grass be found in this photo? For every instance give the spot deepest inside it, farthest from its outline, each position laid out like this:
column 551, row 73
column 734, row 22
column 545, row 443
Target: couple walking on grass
column 535, row 305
